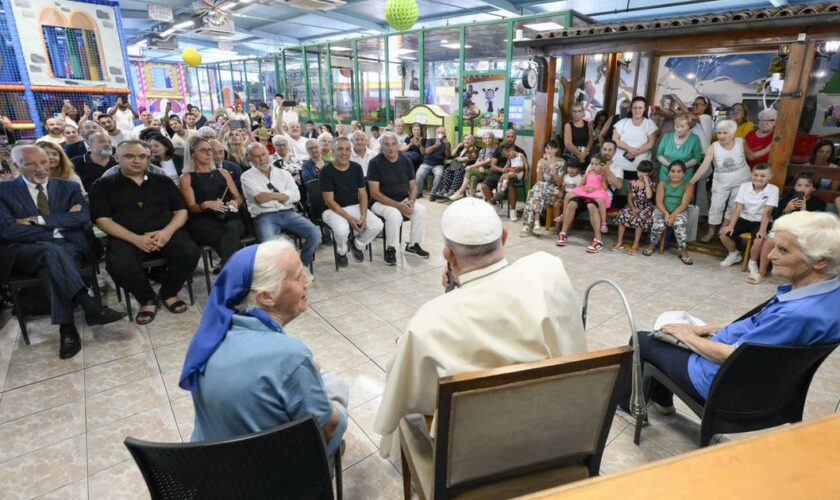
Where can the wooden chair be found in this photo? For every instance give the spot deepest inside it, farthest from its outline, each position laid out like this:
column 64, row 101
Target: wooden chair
column 747, row 238
column 510, row 431
column 287, row 461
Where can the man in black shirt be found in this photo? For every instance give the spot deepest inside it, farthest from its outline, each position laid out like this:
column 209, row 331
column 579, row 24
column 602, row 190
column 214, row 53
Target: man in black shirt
column 91, row 165
column 394, row 191
column 343, row 186
column 143, row 214
column 499, row 165
column 435, row 153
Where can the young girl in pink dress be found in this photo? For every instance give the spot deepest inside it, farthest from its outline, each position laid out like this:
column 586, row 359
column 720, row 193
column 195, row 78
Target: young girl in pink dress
column 594, row 185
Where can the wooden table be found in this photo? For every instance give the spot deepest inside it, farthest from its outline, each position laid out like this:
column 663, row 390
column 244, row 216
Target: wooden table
column 795, row 462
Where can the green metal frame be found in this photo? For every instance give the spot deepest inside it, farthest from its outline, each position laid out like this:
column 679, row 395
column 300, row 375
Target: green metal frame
column 356, row 81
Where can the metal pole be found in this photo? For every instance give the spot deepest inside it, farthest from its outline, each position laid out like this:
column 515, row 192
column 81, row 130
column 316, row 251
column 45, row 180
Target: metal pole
column 638, row 408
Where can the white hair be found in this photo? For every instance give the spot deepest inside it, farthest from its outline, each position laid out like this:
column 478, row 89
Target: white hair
column 206, row 132
column 359, row 133
column 326, row 136
column 19, row 151
column 252, row 146
column 268, row 272
column 729, row 125
column 388, row 135
column 768, row 113
column 817, row 234
column 279, row 139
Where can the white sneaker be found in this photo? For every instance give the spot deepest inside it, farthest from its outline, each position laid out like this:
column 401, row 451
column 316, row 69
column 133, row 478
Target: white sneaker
column 512, row 216
column 731, row 259
column 752, row 267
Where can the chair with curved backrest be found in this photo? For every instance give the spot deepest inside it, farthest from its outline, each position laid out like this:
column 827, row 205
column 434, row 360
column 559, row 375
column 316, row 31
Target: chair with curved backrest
column 514, row 430
column 317, row 207
column 288, row 461
column 757, row 387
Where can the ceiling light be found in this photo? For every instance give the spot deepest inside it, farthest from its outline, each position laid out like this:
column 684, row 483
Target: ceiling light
column 443, row 42
column 405, row 51
column 452, row 45
column 340, row 49
column 549, row 26
column 185, row 24
column 168, row 32
column 406, row 58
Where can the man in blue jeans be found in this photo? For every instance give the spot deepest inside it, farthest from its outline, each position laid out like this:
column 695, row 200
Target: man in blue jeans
column 435, row 153
column 271, row 194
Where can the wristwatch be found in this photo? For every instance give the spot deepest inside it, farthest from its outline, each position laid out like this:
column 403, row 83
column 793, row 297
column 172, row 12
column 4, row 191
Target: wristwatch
column 33, row 220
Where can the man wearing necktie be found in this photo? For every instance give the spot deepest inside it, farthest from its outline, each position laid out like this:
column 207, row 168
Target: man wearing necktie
column 42, row 232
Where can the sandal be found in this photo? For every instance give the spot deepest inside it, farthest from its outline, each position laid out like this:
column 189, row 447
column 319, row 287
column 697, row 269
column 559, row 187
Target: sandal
column 177, row 307
column 595, row 246
column 755, row 278
column 630, row 251
column 618, row 246
column 647, row 252
column 686, row 260
column 561, row 240
column 143, row 318
column 604, row 228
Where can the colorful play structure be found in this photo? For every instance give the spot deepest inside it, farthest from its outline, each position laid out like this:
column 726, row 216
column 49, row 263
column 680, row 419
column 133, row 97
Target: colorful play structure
column 54, row 53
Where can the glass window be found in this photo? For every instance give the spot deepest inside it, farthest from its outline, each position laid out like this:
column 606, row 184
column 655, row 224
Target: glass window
column 240, row 85
column 483, row 95
column 295, row 80
column 403, row 73
column 441, row 53
column 484, row 47
column 341, row 66
column 371, row 58
column 316, row 99
column 226, row 82
column 213, row 83
column 268, row 78
column 253, row 82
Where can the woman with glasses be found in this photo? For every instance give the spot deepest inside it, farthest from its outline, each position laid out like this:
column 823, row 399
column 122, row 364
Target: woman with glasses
column 758, row 141
column 212, row 201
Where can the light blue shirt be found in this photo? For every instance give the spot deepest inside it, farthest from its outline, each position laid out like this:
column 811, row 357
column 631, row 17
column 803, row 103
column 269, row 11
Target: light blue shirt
column 805, row 316
column 259, row 378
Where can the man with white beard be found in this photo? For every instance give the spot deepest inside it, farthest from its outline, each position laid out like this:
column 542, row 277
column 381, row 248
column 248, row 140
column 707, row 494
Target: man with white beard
column 271, row 194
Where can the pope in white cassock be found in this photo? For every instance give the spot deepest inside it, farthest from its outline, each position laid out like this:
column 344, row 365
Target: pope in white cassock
column 500, row 314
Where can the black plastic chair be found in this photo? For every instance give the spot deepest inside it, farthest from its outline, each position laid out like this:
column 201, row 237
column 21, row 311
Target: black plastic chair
column 16, row 283
column 288, row 461
column 317, row 207
column 207, row 257
column 146, row 265
column 757, row 387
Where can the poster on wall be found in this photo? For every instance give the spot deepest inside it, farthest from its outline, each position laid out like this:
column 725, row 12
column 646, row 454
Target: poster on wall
column 484, row 102
column 724, row 79
column 826, row 85
column 71, row 43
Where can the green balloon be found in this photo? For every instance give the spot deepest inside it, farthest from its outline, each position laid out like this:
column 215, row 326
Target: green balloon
column 401, row 14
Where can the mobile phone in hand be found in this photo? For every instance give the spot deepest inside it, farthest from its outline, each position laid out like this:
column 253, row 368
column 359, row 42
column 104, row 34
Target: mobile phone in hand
column 629, row 156
column 798, row 195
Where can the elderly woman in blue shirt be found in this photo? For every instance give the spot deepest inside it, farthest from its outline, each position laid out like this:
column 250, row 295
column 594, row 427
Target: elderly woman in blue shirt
column 245, row 373
column 803, row 312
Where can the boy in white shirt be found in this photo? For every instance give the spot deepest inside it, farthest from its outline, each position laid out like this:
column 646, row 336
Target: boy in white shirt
column 753, row 205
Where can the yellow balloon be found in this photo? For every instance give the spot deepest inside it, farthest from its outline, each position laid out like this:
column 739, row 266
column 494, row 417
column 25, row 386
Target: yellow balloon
column 191, row 57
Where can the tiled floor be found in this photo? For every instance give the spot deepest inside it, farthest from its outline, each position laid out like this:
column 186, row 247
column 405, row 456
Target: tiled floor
column 62, row 423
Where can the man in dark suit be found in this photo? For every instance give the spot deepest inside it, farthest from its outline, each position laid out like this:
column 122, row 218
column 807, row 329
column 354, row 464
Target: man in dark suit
column 41, row 228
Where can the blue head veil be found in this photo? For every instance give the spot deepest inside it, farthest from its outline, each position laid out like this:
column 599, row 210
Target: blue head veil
column 232, row 285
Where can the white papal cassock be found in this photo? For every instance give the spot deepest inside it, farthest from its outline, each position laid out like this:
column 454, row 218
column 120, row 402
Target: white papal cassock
column 502, row 314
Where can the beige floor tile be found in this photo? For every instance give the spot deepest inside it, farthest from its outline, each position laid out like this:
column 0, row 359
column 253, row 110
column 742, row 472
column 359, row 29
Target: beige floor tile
column 123, row 481
column 44, row 470
column 171, row 357
column 365, row 416
column 357, row 322
column 105, row 444
column 366, row 381
column 338, row 356
column 123, row 401
column 114, row 341
column 6, row 349
column 46, row 365
column 358, row 445
column 184, row 417
column 29, row 433
column 41, row 395
column 121, row 371
column 621, row 454
column 77, row 490
column 372, row 478
column 173, row 390
column 379, row 342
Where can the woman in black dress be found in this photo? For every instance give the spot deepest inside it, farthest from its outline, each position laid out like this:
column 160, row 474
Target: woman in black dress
column 212, row 201
column 577, row 136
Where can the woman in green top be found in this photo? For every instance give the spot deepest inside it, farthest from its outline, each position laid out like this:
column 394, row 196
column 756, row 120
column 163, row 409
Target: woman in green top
column 672, row 198
column 680, row 145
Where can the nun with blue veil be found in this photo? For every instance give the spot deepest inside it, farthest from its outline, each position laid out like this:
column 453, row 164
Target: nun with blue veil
column 245, row 373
